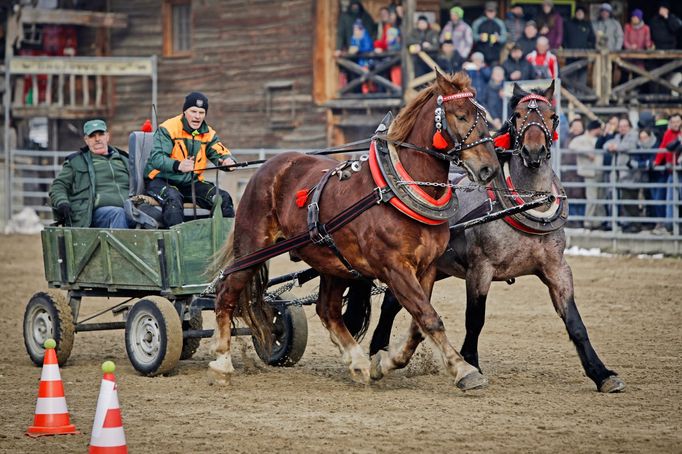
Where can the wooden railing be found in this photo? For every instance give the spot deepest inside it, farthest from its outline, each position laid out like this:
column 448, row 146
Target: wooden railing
column 70, row 87
column 618, row 77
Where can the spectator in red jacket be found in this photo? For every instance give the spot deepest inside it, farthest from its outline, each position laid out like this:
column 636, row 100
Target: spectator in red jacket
column 544, row 63
column 667, row 158
column 637, row 34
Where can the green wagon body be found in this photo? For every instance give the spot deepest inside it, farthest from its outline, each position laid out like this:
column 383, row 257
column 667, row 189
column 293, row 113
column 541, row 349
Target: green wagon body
column 167, row 262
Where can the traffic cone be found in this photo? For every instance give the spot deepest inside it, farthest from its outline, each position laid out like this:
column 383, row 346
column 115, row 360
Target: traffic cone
column 107, row 430
column 51, row 416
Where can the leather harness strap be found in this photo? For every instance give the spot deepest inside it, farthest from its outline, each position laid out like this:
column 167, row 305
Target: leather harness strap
column 317, row 231
column 376, row 197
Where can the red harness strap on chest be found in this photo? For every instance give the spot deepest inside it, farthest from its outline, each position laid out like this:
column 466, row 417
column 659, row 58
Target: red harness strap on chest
column 380, row 181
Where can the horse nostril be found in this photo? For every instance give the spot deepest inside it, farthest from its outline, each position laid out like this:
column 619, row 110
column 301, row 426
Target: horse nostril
column 485, row 174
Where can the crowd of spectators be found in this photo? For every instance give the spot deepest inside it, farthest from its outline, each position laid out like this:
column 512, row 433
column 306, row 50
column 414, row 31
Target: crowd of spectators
column 643, row 153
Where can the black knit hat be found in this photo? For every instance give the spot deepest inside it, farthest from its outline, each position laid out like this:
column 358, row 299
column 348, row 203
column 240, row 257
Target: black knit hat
column 195, row 99
column 594, row 124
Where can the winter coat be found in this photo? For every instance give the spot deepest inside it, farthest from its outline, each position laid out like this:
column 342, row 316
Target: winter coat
column 664, row 31
column 626, row 146
column 637, row 38
column 545, row 66
column 344, row 31
column 587, row 160
column 579, row 34
column 489, row 36
column 174, row 141
column 555, row 24
column 609, row 33
column 527, row 45
column 450, row 64
column 417, row 36
column 515, row 26
column 460, row 35
column 479, row 78
column 510, row 65
column 76, row 185
column 491, row 99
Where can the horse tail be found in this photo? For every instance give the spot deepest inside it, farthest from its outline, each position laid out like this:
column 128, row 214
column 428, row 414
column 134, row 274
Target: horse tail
column 222, row 256
column 358, row 308
column 251, row 306
column 255, row 311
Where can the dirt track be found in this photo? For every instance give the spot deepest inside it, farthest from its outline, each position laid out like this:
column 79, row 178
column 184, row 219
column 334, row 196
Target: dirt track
column 538, row 398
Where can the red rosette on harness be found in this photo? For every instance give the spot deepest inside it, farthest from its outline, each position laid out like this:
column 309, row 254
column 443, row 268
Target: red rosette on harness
column 503, row 141
column 301, row 197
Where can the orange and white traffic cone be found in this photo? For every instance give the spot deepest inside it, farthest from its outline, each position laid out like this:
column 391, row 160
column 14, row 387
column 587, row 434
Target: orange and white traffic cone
column 107, row 430
column 51, row 416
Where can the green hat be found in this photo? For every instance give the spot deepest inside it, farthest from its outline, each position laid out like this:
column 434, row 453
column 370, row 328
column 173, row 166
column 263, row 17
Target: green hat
column 93, row 126
column 457, row 10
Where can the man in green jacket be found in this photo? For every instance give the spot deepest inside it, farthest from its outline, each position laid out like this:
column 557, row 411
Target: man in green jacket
column 182, row 147
column 93, row 184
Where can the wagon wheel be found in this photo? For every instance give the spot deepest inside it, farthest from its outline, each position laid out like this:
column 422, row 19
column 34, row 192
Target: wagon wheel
column 48, row 316
column 291, row 335
column 153, row 336
column 191, row 344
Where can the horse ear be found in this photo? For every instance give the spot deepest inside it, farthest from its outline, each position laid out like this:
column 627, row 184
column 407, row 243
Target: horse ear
column 442, row 82
column 518, row 91
column 549, row 93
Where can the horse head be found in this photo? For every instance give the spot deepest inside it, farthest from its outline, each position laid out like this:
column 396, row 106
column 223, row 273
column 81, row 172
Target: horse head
column 533, row 124
column 460, row 121
column 446, row 119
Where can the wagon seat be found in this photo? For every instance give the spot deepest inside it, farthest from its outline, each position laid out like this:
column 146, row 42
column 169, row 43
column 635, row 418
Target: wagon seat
column 145, row 210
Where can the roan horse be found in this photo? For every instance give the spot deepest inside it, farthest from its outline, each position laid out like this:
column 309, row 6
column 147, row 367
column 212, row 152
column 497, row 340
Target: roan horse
column 498, row 251
column 381, row 243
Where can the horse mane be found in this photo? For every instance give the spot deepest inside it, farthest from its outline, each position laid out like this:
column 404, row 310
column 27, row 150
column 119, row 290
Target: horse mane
column 408, row 116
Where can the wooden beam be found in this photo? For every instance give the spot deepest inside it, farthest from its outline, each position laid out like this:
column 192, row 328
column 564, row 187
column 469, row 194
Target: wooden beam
column 325, row 71
column 73, row 17
column 646, row 76
column 582, row 107
column 104, row 66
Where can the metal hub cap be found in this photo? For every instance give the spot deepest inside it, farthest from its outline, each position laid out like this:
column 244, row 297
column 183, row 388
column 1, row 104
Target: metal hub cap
column 146, row 337
column 42, row 327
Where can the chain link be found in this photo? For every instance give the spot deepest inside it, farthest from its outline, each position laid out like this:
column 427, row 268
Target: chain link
column 472, row 188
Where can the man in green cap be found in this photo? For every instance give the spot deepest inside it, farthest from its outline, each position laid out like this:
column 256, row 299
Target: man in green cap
column 458, row 33
column 93, row 184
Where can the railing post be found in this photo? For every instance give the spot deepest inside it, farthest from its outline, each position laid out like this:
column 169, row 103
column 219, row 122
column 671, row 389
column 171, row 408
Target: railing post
column 676, row 199
column 614, row 201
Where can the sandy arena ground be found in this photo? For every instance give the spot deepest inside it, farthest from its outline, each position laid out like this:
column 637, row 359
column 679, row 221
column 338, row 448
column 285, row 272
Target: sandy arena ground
column 538, row 399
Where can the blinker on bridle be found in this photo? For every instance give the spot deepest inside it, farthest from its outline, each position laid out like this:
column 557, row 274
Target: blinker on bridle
column 441, row 123
column 533, row 106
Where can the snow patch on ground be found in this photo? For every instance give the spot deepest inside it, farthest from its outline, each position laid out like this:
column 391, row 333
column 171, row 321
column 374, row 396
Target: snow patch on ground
column 25, row 222
column 596, row 252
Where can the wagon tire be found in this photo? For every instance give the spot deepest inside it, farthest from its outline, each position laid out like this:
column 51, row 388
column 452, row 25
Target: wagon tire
column 190, row 345
column 291, row 335
column 153, row 336
column 48, row 316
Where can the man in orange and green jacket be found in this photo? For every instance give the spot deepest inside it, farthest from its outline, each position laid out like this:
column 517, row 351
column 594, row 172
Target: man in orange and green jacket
column 182, row 147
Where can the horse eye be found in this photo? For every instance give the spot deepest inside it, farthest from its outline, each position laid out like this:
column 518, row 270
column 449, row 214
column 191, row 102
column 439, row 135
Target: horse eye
column 517, row 114
column 461, row 118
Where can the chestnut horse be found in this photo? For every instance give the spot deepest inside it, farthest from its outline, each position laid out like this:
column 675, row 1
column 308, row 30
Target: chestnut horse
column 381, row 243
column 498, row 251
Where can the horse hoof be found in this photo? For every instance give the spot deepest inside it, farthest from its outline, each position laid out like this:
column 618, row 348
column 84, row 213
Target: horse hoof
column 360, row 375
column 474, row 380
column 217, row 377
column 375, row 369
column 612, row 384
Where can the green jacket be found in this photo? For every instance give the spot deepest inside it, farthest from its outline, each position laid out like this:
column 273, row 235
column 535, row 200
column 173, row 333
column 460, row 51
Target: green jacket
column 75, row 185
column 174, row 141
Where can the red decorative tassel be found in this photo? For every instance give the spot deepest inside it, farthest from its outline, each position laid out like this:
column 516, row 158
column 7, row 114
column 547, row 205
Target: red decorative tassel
column 555, row 136
column 503, row 141
column 301, row 197
column 147, row 126
column 439, row 142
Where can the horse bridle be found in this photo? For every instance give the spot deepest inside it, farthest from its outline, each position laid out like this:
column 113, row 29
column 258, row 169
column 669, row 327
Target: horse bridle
column 452, row 155
column 441, row 123
column 533, row 106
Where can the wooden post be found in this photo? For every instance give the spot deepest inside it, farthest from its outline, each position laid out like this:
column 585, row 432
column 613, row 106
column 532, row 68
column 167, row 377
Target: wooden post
column 325, row 71
column 86, row 91
column 407, row 66
column 48, row 94
column 98, row 91
column 72, row 89
column 60, row 90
